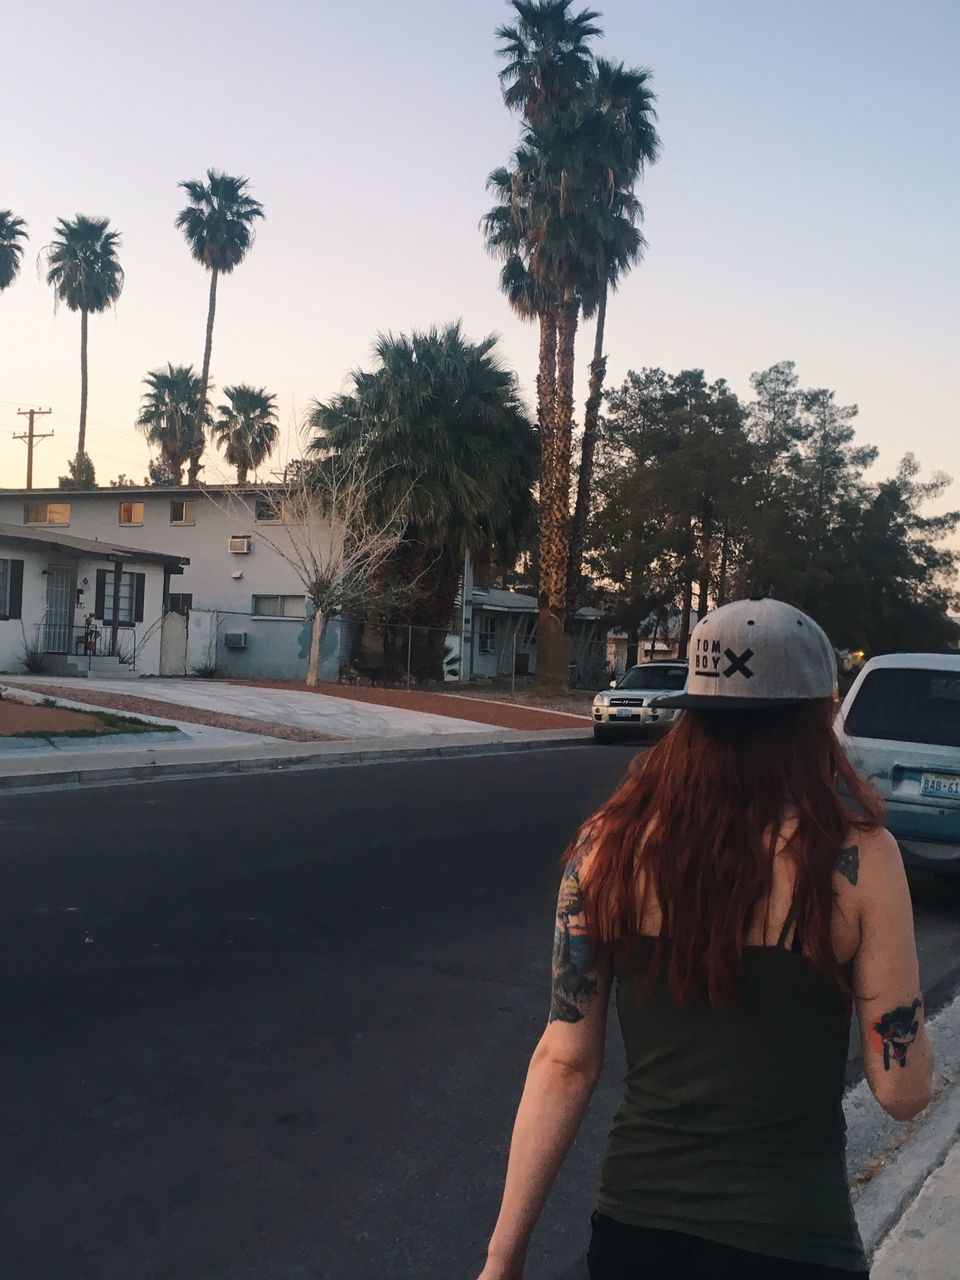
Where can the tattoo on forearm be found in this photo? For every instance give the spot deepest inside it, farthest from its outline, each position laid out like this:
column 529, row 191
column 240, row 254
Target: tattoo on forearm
column 848, row 863
column 573, row 988
column 896, row 1031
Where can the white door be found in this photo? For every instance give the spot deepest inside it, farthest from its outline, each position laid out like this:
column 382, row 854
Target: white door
column 58, row 619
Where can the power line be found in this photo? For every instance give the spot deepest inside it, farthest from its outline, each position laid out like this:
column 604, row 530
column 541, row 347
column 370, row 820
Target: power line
column 31, row 437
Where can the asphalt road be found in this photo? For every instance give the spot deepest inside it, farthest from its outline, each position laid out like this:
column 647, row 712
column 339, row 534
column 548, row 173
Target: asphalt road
column 275, row 1027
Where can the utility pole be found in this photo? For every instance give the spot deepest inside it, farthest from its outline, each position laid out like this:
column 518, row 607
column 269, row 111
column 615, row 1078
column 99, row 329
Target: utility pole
column 31, row 437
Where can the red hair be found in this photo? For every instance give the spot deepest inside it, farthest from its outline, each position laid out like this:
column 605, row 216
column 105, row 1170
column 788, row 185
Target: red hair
column 695, row 824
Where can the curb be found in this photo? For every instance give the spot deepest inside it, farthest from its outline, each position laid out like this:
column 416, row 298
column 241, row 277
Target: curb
column 178, row 770
column 884, row 1199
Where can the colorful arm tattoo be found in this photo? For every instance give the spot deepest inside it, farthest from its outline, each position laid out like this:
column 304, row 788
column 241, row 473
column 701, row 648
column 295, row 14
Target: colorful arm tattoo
column 572, row 987
column 895, row 1032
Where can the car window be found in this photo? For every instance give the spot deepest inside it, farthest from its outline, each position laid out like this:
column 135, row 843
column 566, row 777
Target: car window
column 908, row 705
column 659, row 679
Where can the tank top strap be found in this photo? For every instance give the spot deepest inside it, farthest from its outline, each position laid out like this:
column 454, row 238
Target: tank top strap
column 788, row 924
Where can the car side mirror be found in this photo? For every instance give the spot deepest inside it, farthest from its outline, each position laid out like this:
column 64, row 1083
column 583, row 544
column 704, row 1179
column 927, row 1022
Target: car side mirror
column 613, row 684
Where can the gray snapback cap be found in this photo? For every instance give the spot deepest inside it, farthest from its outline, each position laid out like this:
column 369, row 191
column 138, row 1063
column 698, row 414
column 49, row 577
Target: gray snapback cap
column 753, row 654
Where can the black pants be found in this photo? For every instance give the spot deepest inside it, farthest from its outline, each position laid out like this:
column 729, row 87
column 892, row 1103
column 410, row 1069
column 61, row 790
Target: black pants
column 621, row 1252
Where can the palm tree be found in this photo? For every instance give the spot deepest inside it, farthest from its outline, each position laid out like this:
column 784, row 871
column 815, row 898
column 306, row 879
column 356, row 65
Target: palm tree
column 218, row 225
column 548, row 64
column 622, row 104
column 547, row 56
column 168, row 418
column 441, row 423
column 246, row 428
column 12, row 231
column 85, row 272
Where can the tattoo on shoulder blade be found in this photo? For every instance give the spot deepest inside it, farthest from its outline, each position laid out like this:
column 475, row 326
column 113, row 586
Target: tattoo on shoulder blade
column 572, row 987
column 848, row 863
column 896, row 1031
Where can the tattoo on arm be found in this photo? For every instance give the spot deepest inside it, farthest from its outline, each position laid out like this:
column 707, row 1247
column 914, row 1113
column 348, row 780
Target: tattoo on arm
column 896, row 1031
column 573, row 989
column 848, row 863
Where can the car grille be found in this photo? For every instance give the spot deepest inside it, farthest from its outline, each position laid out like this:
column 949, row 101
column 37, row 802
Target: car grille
column 626, row 702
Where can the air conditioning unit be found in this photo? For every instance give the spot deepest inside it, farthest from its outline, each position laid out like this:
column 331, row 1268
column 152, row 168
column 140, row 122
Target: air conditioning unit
column 235, row 639
column 241, row 544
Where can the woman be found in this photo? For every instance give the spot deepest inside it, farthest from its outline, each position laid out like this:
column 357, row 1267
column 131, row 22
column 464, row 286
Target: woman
column 743, row 909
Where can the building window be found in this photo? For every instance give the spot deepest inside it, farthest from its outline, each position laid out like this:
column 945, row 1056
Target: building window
column 182, row 512
column 130, row 608
column 131, row 513
column 11, row 588
column 180, row 602
column 268, row 511
column 487, row 633
column 46, row 513
column 279, row 607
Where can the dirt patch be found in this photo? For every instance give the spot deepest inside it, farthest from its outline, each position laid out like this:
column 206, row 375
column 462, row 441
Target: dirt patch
column 173, row 711
column 16, row 717
column 503, row 715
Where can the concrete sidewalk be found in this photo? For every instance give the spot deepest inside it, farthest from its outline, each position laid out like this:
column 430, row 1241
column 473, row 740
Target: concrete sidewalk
column 909, row 1209
column 925, row 1244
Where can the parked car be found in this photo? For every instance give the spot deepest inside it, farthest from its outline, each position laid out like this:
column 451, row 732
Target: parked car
column 900, row 727
column 627, row 703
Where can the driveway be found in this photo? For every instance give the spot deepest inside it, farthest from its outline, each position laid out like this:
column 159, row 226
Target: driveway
column 312, row 713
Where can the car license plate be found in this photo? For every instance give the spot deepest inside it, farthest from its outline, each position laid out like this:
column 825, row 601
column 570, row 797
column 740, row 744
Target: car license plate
column 624, row 713
column 940, row 784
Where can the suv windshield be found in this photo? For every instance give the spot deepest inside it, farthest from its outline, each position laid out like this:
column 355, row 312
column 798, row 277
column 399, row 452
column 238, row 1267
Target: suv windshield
column 904, row 705
column 656, row 679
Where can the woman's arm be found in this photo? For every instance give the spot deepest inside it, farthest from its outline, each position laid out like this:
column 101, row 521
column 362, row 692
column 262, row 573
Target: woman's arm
column 563, row 1072
column 897, row 1053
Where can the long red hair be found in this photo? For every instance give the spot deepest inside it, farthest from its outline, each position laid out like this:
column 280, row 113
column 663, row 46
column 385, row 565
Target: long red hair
column 695, row 824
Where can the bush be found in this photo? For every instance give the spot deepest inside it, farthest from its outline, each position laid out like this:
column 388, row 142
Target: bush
column 204, row 670
column 33, row 657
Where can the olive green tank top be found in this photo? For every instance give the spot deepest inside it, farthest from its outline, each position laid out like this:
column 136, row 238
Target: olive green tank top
column 731, row 1126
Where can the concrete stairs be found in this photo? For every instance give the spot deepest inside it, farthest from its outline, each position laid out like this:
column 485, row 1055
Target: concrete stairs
column 109, row 669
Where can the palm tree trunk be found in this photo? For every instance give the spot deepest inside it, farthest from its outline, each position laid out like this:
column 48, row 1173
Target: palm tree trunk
column 683, row 640
column 552, row 644
column 82, row 438
column 724, row 560
column 207, row 348
column 706, row 565
column 591, row 425
column 241, row 475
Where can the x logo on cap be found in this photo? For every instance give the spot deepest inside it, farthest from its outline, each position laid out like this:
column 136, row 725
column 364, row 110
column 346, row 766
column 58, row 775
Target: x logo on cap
column 738, row 663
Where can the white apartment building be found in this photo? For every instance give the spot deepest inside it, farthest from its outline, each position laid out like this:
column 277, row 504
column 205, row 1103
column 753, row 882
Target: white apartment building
column 227, row 599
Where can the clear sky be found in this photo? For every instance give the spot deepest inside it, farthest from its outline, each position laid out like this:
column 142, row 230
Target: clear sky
column 805, row 206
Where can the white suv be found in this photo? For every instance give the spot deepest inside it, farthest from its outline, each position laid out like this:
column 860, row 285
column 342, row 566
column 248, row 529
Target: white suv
column 630, row 702
column 900, row 727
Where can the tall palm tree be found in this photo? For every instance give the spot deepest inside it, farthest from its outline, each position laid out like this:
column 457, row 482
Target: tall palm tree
column 548, row 63
column 622, row 104
column 246, row 428
column 13, row 230
column 218, row 225
column 168, row 418
column 441, row 423
column 85, row 272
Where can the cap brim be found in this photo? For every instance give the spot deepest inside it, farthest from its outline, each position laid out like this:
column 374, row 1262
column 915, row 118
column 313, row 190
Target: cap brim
column 708, row 702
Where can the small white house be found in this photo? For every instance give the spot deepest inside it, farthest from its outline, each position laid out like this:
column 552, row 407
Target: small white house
column 87, row 606
column 238, row 606
column 499, row 635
